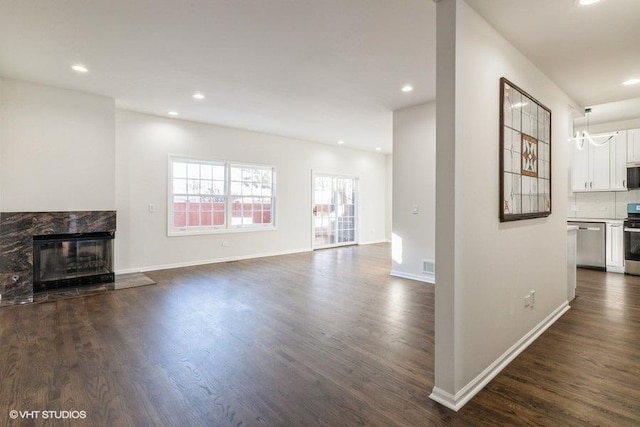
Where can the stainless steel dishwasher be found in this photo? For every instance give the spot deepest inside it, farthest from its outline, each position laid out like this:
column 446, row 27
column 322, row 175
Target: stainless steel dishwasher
column 591, row 246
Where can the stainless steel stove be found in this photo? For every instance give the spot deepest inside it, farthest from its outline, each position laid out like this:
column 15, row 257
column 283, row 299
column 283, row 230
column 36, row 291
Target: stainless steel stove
column 632, row 240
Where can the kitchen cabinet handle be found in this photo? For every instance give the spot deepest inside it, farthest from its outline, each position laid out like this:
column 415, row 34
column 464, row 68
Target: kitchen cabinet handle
column 632, row 230
column 591, row 184
column 624, row 183
column 594, row 229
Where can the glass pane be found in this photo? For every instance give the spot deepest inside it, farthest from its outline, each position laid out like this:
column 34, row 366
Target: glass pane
column 179, row 203
column 193, row 170
column 206, row 171
column 517, row 193
column 179, row 186
column 236, row 188
column 193, row 186
column 218, row 187
column 206, row 187
column 218, row 172
column 179, row 170
column 193, row 211
column 515, row 106
column 530, row 116
column 236, row 211
column 507, row 201
column 236, row 174
column 507, row 112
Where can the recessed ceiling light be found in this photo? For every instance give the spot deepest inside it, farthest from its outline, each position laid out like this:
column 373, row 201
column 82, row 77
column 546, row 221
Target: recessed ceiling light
column 340, row 142
column 588, row 2
column 79, row 68
column 378, row 148
column 631, row 82
column 173, row 113
column 198, row 95
column 407, row 88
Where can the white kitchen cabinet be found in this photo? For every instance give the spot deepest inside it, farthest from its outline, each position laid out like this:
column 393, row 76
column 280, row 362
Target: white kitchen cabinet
column 615, row 247
column 601, row 167
column 591, row 167
column 618, row 161
column 580, row 168
column 633, row 146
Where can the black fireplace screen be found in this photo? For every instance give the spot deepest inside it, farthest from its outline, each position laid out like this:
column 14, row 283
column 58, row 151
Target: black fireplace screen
column 64, row 260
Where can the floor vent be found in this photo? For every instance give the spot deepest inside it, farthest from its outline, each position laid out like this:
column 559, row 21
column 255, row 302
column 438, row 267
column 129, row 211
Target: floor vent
column 428, row 266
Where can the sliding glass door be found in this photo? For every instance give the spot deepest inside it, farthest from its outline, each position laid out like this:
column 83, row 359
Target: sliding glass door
column 334, row 211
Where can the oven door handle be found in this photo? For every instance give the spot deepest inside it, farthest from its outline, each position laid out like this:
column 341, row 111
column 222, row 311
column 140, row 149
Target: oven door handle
column 595, row 229
column 632, row 230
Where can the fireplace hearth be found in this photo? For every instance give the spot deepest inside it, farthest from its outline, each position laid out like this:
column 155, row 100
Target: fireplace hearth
column 67, row 260
column 75, row 248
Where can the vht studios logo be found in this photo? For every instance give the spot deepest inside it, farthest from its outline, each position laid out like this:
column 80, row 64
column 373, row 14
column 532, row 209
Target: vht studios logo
column 45, row 415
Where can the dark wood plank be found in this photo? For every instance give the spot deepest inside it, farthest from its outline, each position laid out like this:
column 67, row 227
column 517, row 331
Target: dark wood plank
column 325, row 338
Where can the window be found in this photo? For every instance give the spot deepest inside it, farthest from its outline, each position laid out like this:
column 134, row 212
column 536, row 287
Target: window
column 209, row 197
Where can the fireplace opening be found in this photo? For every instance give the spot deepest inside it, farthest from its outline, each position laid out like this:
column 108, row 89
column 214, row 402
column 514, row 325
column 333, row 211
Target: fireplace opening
column 70, row 260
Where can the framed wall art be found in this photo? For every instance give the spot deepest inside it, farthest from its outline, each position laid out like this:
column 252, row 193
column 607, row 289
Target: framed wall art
column 525, row 155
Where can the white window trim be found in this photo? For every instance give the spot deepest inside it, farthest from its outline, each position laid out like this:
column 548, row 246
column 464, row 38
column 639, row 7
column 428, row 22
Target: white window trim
column 227, row 227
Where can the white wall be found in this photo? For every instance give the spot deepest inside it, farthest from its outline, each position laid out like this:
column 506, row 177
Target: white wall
column 485, row 268
column 1, row 125
column 414, row 182
column 143, row 145
column 388, row 225
column 58, row 150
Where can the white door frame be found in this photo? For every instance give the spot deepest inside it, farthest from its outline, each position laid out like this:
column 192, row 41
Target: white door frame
column 356, row 202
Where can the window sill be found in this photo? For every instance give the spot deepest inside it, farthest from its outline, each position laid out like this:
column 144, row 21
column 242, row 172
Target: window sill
column 187, row 232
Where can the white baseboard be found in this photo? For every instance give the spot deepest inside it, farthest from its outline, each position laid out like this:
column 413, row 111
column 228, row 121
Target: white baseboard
column 372, row 242
column 208, row 261
column 458, row 400
column 615, row 269
column 425, row 277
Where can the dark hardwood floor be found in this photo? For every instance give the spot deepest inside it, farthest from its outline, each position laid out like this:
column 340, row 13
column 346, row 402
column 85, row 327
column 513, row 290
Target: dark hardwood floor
column 324, row 338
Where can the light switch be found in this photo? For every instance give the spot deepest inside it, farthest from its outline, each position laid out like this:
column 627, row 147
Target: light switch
column 416, row 209
column 152, row 208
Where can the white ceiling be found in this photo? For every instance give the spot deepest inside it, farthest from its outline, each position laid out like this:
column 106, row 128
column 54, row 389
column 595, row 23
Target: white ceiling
column 320, row 70
column 586, row 50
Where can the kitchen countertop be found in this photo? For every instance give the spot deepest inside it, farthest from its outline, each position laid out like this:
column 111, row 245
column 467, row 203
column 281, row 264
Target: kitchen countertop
column 610, row 220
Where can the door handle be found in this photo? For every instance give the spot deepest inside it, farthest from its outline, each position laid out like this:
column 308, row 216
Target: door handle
column 632, row 230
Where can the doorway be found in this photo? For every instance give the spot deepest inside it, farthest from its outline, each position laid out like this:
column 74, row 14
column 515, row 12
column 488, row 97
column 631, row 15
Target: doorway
column 334, row 211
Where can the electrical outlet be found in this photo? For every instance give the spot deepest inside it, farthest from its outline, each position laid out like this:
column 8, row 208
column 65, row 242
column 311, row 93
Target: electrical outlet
column 533, row 298
column 225, row 243
column 530, row 299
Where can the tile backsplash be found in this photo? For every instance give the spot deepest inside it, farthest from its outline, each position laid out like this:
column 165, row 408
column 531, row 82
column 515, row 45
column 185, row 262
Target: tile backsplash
column 603, row 204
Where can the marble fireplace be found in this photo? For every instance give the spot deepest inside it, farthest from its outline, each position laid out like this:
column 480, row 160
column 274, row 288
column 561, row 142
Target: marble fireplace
column 47, row 250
